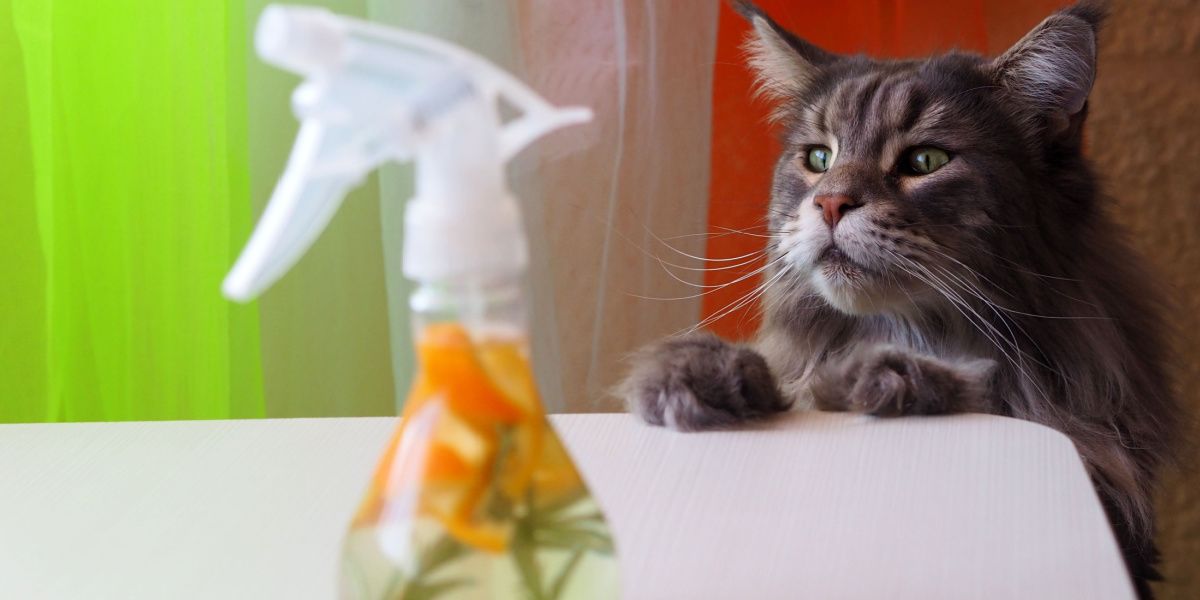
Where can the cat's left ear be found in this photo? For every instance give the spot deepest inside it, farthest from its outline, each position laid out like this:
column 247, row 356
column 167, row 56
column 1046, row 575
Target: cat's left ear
column 1053, row 67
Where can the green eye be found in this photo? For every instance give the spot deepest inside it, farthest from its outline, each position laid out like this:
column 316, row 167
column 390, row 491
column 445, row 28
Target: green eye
column 926, row 159
column 819, row 159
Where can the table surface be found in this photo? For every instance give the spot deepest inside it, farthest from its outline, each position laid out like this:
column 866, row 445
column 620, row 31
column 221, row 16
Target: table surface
column 813, row 505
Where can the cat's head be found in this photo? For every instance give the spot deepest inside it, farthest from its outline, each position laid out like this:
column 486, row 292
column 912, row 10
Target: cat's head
column 897, row 176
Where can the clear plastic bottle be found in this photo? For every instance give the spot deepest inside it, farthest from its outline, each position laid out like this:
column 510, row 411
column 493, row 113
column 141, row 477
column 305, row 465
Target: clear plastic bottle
column 475, row 496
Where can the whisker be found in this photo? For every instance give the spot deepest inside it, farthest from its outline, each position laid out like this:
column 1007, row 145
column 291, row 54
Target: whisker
column 1008, row 323
column 727, row 231
column 973, row 317
column 703, row 259
column 1018, row 267
column 972, row 271
column 700, row 285
column 716, row 289
column 743, row 231
column 746, row 263
column 997, row 287
column 743, row 301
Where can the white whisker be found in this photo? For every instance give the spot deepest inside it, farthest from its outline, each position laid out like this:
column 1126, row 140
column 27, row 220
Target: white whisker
column 714, row 288
column 738, row 304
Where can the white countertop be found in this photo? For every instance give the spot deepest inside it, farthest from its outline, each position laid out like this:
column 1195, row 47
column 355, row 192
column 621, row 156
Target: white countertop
column 813, row 506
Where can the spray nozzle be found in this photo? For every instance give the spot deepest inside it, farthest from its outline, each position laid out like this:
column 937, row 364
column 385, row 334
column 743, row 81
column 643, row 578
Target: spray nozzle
column 374, row 94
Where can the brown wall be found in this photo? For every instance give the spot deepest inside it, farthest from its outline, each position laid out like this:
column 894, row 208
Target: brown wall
column 1144, row 134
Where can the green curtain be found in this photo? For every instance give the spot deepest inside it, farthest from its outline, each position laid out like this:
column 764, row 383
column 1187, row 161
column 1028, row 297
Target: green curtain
column 127, row 180
column 23, row 382
column 139, row 141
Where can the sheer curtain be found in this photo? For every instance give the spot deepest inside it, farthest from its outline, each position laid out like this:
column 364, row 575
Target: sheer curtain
column 139, row 140
column 631, row 192
column 599, row 197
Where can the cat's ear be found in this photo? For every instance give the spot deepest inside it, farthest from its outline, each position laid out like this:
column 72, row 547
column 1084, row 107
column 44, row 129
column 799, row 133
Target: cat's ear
column 1053, row 67
column 784, row 63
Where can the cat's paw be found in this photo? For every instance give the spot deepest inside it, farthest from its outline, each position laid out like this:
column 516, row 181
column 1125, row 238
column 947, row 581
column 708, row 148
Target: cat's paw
column 886, row 380
column 699, row 382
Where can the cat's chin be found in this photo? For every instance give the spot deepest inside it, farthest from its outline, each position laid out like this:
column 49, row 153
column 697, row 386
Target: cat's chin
column 856, row 292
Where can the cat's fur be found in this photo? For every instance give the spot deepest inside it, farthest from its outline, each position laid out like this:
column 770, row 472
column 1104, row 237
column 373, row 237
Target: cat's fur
column 996, row 284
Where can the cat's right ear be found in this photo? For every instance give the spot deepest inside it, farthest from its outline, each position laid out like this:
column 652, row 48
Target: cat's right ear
column 1051, row 70
column 784, row 63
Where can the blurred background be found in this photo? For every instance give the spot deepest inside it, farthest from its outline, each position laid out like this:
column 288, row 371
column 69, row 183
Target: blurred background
column 139, row 141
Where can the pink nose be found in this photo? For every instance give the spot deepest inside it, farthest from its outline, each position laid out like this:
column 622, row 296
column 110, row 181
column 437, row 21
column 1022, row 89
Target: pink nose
column 835, row 206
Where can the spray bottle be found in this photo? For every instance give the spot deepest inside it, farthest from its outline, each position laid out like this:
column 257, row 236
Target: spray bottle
column 475, row 496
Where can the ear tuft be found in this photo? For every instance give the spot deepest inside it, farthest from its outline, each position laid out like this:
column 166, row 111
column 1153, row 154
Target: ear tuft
column 1094, row 12
column 1053, row 67
column 784, row 63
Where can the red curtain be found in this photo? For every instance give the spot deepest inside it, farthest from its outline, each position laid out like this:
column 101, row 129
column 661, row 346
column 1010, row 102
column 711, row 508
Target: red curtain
column 743, row 147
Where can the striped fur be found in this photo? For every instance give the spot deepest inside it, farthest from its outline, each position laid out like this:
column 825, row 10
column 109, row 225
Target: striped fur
column 997, row 283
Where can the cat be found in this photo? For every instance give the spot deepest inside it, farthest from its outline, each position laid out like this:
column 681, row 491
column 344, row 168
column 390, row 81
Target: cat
column 939, row 244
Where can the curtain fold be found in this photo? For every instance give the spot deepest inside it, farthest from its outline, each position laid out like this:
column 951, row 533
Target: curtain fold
column 22, row 264
column 135, row 125
column 611, row 202
column 326, row 347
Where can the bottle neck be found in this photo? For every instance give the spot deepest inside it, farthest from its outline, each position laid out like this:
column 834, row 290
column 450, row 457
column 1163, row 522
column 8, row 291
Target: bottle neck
column 486, row 307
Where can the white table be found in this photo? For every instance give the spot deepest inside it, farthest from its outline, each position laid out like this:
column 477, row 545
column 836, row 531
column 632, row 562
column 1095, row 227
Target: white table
column 813, row 506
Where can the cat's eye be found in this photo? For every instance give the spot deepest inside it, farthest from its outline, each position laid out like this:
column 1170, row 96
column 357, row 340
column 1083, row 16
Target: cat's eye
column 819, row 159
column 924, row 160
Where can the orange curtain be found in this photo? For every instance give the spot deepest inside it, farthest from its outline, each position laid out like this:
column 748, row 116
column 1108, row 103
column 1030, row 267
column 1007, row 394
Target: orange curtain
column 744, row 149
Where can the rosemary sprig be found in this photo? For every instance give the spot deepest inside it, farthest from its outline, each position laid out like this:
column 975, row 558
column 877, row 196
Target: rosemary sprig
column 560, row 583
column 552, row 527
column 524, row 548
column 432, row 590
column 444, row 551
column 571, row 539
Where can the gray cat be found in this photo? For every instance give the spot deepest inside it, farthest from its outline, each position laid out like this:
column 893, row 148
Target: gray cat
column 939, row 244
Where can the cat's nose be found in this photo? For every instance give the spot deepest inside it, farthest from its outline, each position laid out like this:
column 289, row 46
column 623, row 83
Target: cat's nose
column 835, row 206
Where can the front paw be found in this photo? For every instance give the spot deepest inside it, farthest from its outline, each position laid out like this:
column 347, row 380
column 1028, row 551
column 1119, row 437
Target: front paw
column 887, row 380
column 700, row 382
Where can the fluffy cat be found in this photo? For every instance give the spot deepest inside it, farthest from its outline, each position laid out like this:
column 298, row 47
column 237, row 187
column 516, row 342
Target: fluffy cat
column 939, row 244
